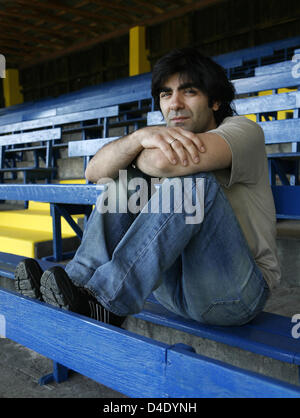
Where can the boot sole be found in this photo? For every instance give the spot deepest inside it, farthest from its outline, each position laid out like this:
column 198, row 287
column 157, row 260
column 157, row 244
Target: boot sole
column 58, row 290
column 27, row 278
column 55, row 288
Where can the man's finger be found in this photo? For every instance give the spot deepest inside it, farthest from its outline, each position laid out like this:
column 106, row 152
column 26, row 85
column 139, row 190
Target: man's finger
column 165, row 147
column 180, row 151
column 187, row 144
column 195, row 138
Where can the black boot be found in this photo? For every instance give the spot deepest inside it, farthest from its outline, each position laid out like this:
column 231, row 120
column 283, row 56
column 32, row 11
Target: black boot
column 58, row 289
column 28, row 274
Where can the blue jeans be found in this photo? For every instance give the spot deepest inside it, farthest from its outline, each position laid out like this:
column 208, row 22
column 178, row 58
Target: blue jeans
column 203, row 271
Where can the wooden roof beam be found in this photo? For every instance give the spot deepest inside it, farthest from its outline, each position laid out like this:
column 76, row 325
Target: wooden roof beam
column 121, row 7
column 5, row 49
column 23, row 28
column 14, row 44
column 180, row 11
column 114, row 8
column 17, row 21
column 36, row 10
column 196, row 5
column 26, row 38
column 25, row 47
column 150, row 6
column 91, row 16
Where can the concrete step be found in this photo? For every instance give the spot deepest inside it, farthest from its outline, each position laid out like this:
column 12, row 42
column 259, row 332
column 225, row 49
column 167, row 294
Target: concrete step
column 288, row 254
column 288, row 247
column 70, row 168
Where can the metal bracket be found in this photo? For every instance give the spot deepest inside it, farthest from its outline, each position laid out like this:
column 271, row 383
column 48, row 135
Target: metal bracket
column 59, row 375
column 65, row 211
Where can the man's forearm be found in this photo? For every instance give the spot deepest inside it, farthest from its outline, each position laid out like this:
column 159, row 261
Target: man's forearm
column 217, row 155
column 115, row 156
column 152, row 161
column 168, row 148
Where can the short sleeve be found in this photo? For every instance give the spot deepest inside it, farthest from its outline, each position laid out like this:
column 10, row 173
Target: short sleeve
column 247, row 144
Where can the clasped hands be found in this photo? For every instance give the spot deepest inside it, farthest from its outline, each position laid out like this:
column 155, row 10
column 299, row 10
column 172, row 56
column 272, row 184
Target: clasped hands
column 177, row 144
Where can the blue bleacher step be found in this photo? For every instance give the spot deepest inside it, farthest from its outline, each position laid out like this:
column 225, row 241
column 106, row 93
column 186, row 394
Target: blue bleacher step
column 168, row 328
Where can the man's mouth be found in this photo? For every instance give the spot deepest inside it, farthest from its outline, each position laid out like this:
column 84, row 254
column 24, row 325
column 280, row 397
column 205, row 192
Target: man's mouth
column 179, row 119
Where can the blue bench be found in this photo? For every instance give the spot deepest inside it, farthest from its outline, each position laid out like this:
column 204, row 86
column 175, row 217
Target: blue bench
column 103, row 352
column 245, row 61
column 137, row 88
column 156, row 369
column 130, row 93
column 284, row 165
column 40, row 137
column 132, row 98
column 33, row 173
column 134, row 365
column 65, row 200
column 131, row 110
column 87, row 148
column 8, row 263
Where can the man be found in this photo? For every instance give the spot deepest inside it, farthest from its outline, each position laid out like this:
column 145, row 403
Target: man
column 218, row 269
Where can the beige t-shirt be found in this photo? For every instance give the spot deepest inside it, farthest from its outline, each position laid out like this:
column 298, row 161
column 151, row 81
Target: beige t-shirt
column 246, row 185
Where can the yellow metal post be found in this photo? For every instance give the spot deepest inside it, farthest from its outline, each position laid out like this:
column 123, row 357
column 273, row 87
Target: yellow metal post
column 138, row 61
column 11, row 88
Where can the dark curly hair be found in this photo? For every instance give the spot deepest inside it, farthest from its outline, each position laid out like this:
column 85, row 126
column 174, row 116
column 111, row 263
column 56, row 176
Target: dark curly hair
column 202, row 72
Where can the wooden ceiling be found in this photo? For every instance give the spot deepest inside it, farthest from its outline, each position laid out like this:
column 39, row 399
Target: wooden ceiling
column 33, row 31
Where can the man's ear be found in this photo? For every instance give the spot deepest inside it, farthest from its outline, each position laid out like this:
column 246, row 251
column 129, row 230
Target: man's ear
column 216, row 106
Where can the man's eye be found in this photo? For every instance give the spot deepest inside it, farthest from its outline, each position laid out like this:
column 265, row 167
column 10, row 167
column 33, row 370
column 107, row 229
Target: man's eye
column 164, row 94
column 190, row 91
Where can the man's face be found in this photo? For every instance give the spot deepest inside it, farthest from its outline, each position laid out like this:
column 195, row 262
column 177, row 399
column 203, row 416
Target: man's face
column 186, row 106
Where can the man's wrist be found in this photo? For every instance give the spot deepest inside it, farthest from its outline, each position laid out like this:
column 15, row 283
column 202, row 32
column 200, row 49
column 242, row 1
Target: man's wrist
column 135, row 142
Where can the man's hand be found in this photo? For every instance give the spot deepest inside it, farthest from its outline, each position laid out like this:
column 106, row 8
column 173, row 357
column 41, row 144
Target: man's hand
column 217, row 156
column 177, row 144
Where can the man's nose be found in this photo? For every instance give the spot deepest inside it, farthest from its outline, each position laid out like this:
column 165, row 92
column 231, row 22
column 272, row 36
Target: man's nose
column 176, row 102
